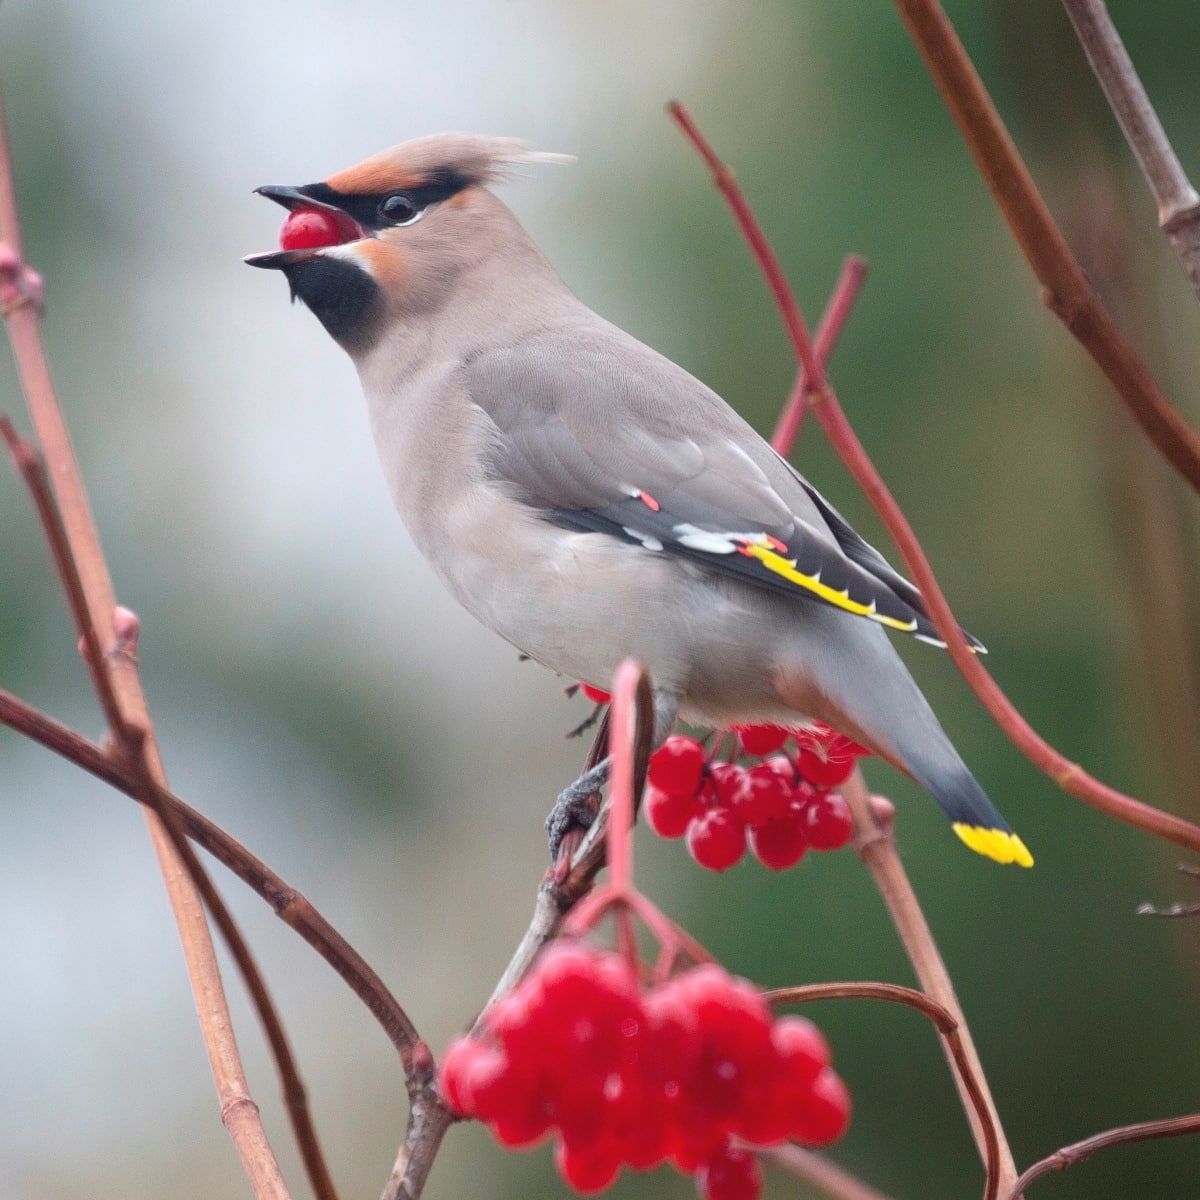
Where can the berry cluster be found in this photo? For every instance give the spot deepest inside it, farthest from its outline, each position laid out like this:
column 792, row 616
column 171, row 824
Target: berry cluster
column 625, row 1077
column 781, row 807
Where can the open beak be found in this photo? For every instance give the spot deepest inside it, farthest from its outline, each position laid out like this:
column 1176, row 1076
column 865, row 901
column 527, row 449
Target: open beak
column 293, row 198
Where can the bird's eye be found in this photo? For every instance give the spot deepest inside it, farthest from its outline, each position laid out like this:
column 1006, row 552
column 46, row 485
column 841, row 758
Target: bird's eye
column 398, row 209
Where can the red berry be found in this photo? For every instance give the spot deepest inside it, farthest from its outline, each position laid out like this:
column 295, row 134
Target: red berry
column 716, row 839
column 828, row 821
column 822, row 771
column 727, row 779
column 731, row 1174
column 801, row 1050
column 588, row 1170
column 779, row 844
column 824, row 1115
column 594, row 694
column 309, row 229
column 677, row 766
column 668, row 814
column 761, row 739
column 765, row 795
column 458, row 1066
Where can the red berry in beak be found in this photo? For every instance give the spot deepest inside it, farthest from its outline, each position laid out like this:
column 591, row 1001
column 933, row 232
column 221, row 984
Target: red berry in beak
column 309, row 229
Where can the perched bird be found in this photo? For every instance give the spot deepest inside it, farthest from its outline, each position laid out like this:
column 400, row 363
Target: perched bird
column 587, row 498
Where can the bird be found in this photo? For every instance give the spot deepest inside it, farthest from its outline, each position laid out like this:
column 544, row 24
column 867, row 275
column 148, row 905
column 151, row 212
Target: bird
column 587, row 498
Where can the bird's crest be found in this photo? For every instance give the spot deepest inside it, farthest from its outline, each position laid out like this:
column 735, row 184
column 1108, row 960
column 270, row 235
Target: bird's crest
column 468, row 158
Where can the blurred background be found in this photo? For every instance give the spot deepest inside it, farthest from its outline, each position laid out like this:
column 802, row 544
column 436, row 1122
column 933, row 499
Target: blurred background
column 317, row 695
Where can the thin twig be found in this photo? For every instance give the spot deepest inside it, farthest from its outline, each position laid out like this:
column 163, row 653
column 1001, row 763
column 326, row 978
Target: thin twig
column 877, row 848
column 289, row 905
column 1070, row 776
column 1177, row 200
column 964, row 1064
column 132, row 741
column 1068, row 1156
column 1066, row 289
column 238, row 1110
column 853, row 275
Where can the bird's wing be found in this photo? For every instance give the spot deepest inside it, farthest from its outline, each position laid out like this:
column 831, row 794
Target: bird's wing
column 628, row 444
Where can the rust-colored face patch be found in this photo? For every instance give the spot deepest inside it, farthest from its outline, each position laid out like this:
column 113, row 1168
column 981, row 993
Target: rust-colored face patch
column 385, row 262
column 378, row 174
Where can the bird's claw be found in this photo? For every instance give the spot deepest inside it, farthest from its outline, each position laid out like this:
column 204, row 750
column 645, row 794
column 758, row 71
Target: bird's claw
column 576, row 807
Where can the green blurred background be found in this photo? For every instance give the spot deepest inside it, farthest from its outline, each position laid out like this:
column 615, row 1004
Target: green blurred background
column 317, row 695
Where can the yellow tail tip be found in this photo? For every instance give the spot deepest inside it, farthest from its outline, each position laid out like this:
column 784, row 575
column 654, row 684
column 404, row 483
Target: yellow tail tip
column 999, row 844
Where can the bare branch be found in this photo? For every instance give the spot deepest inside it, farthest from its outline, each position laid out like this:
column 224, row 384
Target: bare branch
column 1066, row 289
column 1178, row 202
column 877, row 848
column 1068, row 1156
column 290, row 906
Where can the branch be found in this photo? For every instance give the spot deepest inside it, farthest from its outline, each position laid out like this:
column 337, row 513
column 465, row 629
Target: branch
column 877, row 848
column 1066, row 289
column 1178, row 202
column 290, row 906
column 121, row 694
column 968, row 1075
column 1068, row 1156
column 560, row 891
column 853, row 275
column 1068, row 775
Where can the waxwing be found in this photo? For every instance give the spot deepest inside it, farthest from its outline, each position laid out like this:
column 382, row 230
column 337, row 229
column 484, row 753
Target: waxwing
column 587, row 498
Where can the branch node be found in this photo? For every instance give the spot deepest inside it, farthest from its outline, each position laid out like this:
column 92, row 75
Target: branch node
column 20, row 284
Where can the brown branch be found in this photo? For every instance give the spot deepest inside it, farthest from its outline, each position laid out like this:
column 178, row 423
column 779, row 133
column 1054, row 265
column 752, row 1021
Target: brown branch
column 1068, row 1156
column 1066, row 289
column 289, row 905
column 1178, row 202
column 877, row 848
column 1068, row 775
column 132, row 727
column 966, row 1066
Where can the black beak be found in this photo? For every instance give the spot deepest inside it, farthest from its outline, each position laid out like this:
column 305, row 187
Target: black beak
column 276, row 260
column 291, row 197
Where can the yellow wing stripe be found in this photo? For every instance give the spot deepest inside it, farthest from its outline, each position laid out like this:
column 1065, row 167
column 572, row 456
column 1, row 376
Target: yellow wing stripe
column 786, row 568
column 999, row 844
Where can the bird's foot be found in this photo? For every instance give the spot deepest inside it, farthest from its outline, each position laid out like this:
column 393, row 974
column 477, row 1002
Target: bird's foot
column 575, row 810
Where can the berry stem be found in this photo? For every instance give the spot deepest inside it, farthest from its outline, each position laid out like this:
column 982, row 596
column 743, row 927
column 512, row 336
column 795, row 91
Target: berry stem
column 621, row 737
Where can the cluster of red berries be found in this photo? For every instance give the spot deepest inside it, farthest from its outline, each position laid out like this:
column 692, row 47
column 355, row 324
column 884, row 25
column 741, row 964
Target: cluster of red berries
column 629, row 1078
column 781, row 807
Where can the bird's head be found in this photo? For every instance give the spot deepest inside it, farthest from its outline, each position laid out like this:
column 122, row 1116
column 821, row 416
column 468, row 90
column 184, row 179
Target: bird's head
column 390, row 238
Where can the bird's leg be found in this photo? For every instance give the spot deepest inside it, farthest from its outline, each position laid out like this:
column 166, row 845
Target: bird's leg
column 577, row 805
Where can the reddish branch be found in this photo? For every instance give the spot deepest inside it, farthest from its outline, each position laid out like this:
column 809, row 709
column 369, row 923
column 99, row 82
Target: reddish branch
column 120, row 691
column 1069, row 776
column 290, row 906
column 130, row 739
column 1068, row 1156
column 1066, row 290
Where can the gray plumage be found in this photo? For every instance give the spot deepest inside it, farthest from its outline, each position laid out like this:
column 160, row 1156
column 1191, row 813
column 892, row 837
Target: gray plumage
column 588, row 499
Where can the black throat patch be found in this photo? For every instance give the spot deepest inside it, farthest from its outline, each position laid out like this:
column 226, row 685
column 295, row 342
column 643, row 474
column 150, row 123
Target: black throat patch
column 342, row 296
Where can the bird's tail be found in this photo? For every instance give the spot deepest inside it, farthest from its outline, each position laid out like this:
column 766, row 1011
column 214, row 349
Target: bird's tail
column 973, row 816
